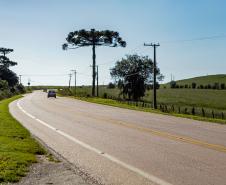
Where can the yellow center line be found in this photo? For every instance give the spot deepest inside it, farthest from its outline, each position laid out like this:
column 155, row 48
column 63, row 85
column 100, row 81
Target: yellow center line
column 167, row 135
column 163, row 134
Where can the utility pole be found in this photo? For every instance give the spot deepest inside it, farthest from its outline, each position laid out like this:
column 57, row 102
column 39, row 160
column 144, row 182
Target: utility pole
column 94, row 61
column 20, row 78
column 75, row 79
column 154, row 74
column 70, row 81
column 97, row 81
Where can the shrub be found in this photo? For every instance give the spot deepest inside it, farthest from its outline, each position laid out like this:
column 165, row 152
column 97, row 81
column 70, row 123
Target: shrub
column 216, row 86
column 111, row 85
column 181, row 86
column 193, row 85
column 222, row 86
column 173, row 84
column 105, row 95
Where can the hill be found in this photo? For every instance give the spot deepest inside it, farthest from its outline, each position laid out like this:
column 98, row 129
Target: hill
column 204, row 80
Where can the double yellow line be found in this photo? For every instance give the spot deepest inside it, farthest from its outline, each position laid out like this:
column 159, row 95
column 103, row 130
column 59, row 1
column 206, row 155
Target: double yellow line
column 163, row 134
column 167, row 135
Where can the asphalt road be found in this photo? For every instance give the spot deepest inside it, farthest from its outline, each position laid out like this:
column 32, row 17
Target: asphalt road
column 119, row 146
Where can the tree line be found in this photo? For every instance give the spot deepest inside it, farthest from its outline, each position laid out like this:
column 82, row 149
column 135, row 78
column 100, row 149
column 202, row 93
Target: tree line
column 9, row 81
column 193, row 85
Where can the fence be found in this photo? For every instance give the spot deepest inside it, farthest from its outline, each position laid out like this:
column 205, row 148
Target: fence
column 189, row 110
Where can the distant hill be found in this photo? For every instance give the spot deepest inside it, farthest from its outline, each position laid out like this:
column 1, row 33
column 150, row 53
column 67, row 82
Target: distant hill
column 203, row 80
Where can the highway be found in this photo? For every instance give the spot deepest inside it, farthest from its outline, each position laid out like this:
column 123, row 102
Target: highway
column 119, row 146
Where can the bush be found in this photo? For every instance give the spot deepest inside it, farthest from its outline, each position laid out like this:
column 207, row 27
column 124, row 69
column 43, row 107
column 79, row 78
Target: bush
column 186, row 86
column 105, row 95
column 222, row 86
column 201, row 87
column 65, row 92
column 20, row 88
column 173, row 84
column 193, row 85
column 181, row 86
column 111, row 85
column 216, row 86
column 3, row 85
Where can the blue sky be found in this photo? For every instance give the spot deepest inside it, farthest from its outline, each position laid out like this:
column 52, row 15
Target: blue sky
column 37, row 29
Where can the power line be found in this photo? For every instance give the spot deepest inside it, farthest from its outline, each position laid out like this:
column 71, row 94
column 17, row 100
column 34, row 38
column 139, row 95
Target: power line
column 214, row 37
column 44, row 74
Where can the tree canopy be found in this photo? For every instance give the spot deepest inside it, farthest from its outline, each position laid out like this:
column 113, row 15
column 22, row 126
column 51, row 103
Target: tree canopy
column 5, row 73
column 5, row 51
column 133, row 74
column 93, row 38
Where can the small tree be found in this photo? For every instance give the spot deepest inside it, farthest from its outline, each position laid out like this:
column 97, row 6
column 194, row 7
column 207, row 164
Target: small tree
column 193, row 85
column 222, row 86
column 216, row 86
column 111, row 85
column 173, row 84
column 93, row 38
column 135, row 72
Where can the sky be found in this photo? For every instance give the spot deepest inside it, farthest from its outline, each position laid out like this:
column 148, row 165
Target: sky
column 191, row 33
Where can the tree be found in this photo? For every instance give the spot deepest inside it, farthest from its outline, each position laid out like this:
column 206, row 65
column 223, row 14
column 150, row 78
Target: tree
column 135, row 72
column 193, row 85
column 5, row 73
column 173, row 84
column 111, row 85
column 93, row 38
column 5, row 51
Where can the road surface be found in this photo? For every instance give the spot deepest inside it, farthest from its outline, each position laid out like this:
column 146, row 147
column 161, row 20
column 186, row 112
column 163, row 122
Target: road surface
column 120, row 146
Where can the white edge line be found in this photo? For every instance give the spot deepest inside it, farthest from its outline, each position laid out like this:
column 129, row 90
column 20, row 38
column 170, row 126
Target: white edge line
column 111, row 158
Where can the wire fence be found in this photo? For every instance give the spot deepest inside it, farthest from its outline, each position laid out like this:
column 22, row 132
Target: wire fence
column 178, row 109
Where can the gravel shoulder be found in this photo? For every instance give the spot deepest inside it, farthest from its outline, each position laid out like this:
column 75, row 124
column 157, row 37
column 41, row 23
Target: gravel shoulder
column 54, row 169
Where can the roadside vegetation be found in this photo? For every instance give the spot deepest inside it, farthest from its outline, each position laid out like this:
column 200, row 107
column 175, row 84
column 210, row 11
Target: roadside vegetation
column 9, row 81
column 17, row 148
column 202, row 104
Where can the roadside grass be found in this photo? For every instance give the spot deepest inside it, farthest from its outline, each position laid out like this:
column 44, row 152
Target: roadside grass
column 17, row 148
column 198, row 98
column 116, row 103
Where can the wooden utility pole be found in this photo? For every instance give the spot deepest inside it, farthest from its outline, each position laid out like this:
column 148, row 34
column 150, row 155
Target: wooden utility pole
column 94, row 62
column 97, row 81
column 154, row 74
column 75, row 79
column 69, row 85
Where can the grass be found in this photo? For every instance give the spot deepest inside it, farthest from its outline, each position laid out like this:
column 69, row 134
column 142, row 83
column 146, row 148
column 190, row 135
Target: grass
column 115, row 103
column 207, row 98
column 17, row 148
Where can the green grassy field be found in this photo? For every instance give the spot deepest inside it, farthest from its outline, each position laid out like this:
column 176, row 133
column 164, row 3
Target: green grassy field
column 122, row 104
column 17, row 148
column 205, row 102
column 208, row 98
